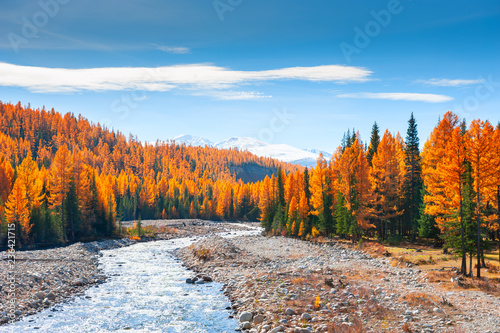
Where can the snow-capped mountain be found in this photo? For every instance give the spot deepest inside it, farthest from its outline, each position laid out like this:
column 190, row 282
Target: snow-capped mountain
column 326, row 154
column 191, row 140
column 282, row 152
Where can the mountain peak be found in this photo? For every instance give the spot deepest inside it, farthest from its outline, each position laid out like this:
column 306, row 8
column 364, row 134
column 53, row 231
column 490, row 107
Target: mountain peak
column 191, row 140
column 281, row 152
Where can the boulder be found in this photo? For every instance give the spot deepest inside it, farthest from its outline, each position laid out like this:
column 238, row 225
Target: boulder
column 289, row 312
column 258, row 319
column 245, row 316
column 306, row 316
column 40, row 295
column 77, row 282
column 245, row 325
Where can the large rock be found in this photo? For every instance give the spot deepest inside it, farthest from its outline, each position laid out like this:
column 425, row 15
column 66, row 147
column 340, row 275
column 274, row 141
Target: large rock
column 289, row 312
column 245, row 325
column 277, row 329
column 40, row 295
column 301, row 330
column 245, row 316
column 258, row 319
column 306, row 316
column 77, row 282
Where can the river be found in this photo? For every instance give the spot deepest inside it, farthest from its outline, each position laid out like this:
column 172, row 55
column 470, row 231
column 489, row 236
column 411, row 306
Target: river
column 145, row 292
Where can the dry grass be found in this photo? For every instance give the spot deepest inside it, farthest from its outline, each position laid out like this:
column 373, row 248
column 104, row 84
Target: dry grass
column 419, row 298
column 492, row 267
column 487, row 285
column 407, row 328
column 296, row 256
column 375, row 249
column 298, row 281
column 440, row 276
column 202, row 254
column 355, row 327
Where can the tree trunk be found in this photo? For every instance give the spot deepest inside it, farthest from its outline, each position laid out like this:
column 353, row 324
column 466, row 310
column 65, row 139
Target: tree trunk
column 498, row 230
column 478, row 273
column 471, row 274
column 464, row 255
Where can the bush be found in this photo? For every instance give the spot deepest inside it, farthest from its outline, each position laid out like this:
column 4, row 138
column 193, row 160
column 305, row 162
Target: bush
column 394, row 239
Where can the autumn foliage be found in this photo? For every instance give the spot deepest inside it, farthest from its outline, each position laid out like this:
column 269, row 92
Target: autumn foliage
column 63, row 178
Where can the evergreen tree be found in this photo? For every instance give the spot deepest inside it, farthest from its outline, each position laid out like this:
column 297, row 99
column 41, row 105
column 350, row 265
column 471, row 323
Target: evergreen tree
column 427, row 224
column 307, row 190
column 374, row 142
column 72, row 212
column 412, row 185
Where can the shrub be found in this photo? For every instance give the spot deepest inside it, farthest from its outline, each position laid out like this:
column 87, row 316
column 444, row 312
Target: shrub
column 203, row 254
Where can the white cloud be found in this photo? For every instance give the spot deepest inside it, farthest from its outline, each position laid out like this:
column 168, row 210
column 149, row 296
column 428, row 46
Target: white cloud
column 174, row 49
column 235, row 95
column 193, row 76
column 449, row 83
column 414, row 97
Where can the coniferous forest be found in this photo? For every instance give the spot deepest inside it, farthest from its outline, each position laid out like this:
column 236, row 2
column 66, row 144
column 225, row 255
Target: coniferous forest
column 64, row 179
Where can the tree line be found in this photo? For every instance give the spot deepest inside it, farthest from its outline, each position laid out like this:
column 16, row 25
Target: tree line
column 390, row 190
column 65, row 179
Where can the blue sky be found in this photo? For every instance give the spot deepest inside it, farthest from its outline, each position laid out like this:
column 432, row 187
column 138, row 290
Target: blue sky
column 292, row 72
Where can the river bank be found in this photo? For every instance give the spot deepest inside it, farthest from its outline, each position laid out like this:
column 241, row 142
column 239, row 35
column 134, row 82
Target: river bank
column 280, row 284
column 44, row 278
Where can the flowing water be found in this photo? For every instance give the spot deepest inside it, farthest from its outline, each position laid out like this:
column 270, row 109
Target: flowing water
column 146, row 292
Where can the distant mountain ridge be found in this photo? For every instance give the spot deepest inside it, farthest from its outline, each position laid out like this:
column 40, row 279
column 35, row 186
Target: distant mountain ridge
column 281, row 152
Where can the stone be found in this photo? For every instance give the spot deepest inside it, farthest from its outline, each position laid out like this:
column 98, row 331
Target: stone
column 77, row 282
column 40, row 295
column 258, row 319
column 306, row 316
column 200, row 282
column 289, row 312
column 301, row 330
column 245, row 316
column 245, row 325
column 277, row 329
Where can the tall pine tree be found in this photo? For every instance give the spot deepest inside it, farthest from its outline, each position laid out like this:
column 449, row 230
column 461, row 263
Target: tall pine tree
column 374, row 142
column 412, row 185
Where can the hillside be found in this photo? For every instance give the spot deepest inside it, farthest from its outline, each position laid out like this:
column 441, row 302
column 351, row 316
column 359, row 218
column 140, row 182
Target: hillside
column 65, row 178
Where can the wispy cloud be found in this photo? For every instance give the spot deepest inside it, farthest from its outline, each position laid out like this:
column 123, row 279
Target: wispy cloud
column 449, row 82
column 174, row 49
column 234, row 95
column 194, row 76
column 414, row 97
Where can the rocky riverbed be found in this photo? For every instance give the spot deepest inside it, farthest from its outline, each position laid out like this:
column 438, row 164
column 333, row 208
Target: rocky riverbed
column 43, row 278
column 280, row 284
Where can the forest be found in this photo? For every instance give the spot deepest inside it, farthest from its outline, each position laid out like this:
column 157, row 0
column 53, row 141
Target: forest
column 65, row 179
column 389, row 190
